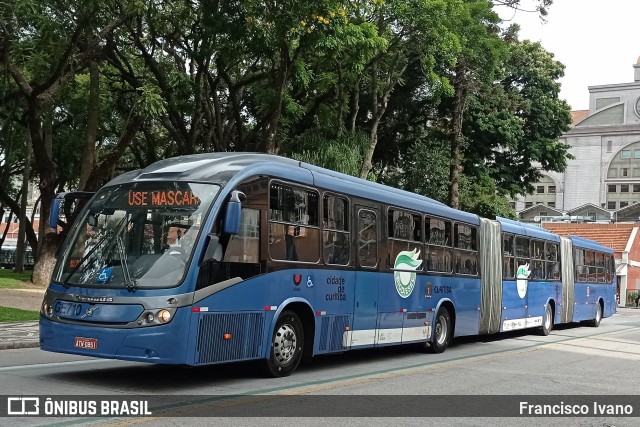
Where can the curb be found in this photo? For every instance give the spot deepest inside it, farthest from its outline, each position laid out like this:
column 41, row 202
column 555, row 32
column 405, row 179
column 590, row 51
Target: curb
column 19, row 344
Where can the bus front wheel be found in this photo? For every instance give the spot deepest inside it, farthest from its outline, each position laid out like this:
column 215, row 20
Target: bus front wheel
column 287, row 344
column 441, row 331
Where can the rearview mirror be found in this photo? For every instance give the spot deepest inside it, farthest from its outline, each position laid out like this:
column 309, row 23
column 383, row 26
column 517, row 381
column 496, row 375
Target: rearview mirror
column 92, row 219
column 73, row 202
column 233, row 214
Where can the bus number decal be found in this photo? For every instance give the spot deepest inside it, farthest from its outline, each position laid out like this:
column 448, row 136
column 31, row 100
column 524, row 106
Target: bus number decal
column 67, row 308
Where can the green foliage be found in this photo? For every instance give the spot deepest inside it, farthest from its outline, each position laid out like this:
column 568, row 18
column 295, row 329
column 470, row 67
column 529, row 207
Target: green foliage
column 480, row 196
column 150, row 101
column 515, row 123
column 631, row 298
column 224, row 76
column 342, row 154
column 423, row 169
column 17, row 315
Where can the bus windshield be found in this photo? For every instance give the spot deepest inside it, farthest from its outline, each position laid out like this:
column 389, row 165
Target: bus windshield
column 138, row 235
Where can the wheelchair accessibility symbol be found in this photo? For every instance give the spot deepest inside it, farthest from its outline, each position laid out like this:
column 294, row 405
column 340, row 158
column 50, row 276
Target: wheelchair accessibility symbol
column 105, row 275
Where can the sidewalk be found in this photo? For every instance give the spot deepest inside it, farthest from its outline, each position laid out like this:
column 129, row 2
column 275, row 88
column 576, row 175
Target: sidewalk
column 20, row 334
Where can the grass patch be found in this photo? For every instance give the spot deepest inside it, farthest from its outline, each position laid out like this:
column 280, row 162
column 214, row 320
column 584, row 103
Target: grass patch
column 16, row 315
column 11, row 280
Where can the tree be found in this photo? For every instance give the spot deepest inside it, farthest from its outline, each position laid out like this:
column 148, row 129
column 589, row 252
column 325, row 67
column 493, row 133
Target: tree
column 480, row 51
column 415, row 31
column 42, row 47
column 343, row 154
column 515, row 124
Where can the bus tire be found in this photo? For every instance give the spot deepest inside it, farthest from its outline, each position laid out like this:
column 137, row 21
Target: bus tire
column 287, row 344
column 547, row 321
column 441, row 331
column 596, row 322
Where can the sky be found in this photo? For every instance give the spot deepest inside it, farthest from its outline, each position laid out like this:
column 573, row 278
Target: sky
column 598, row 41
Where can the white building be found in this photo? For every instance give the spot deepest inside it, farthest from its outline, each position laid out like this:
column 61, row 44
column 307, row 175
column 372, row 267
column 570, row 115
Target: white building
column 605, row 141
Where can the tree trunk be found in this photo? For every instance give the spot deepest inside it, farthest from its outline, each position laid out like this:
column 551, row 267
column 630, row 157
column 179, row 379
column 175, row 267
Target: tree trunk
column 21, row 244
column 48, row 183
column 378, row 108
column 48, row 240
column 46, row 260
column 368, row 156
column 91, row 134
column 276, row 110
column 457, row 138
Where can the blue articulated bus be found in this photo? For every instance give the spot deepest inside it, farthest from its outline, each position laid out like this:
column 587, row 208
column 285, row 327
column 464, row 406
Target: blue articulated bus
column 216, row 258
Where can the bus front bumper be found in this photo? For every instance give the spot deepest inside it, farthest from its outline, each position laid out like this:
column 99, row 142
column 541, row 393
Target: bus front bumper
column 158, row 344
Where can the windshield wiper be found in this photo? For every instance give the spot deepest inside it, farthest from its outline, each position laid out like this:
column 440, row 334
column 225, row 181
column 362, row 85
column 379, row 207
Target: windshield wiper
column 93, row 249
column 130, row 284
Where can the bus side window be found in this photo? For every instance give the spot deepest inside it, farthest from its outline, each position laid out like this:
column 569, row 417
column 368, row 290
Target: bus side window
column 537, row 263
column 405, row 235
column 465, row 252
column 508, row 260
column 590, row 261
column 335, row 234
column 580, row 267
column 294, row 232
column 522, row 252
column 438, row 245
column 367, row 239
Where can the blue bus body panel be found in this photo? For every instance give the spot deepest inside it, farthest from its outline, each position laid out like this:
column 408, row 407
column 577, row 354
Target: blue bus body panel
column 155, row 344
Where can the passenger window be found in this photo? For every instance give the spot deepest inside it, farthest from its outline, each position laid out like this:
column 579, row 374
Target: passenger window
column 537, row 264
column 465, row 255
column 508, row 260
column 590, row 261
column 439, row 255
column 367, row 239
column 335, row 235
column 405, row 231
column 294, row 234
column 522, row 253
column 581, row 269
column 553, row 261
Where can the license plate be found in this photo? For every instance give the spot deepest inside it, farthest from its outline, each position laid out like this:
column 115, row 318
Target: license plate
column 87, row 343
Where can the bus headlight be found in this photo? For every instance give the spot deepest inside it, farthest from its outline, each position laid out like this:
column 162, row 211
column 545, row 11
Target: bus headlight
column 163, row 316
column 47, row 309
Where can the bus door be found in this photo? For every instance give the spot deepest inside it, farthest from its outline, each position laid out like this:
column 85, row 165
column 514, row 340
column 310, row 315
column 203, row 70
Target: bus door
column 365, row 311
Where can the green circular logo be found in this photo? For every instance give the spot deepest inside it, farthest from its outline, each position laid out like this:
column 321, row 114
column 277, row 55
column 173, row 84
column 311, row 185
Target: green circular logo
column 406, row 264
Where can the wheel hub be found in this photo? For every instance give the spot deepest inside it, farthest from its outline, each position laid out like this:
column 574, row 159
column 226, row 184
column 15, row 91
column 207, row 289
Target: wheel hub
column 284, row 344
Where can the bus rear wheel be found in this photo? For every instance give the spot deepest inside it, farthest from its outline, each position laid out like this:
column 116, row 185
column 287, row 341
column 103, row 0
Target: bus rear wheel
column 547, row 321
column 287, row 344
column 441, row 331
column 596, row 322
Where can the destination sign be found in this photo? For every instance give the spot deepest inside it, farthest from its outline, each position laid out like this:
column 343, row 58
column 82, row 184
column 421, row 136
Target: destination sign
column 163, row 198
